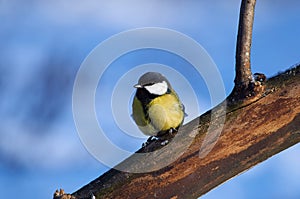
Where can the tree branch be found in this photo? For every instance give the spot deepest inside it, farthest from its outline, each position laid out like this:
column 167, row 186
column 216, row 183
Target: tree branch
column 244, row 82
column 251, row 134
column 244, row 40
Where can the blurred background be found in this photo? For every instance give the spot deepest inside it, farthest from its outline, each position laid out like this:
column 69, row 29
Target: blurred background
column 43, row 44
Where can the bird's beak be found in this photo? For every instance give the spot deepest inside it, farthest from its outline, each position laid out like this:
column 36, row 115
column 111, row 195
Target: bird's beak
column 137, row 86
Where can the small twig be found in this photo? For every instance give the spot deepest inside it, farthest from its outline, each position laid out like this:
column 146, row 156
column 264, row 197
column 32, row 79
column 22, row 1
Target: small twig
column 243, row 79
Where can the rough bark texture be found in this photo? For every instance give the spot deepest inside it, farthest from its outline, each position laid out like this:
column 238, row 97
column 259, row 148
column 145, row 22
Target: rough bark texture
column 251, row 134
column 244, row 82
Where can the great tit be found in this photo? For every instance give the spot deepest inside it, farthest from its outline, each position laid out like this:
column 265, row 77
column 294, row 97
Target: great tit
column 156, row 107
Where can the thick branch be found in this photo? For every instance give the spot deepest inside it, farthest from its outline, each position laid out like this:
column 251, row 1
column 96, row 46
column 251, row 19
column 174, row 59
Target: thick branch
column 251, row 134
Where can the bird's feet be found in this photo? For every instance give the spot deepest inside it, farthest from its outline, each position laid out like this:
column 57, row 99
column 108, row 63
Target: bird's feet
column 172, row 131
column 149, row 140
column 170, row 134
column 164, row 142
column 163, row 137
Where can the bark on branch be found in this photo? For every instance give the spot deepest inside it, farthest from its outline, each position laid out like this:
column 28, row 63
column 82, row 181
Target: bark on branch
column 251, row 134
column 244, row 82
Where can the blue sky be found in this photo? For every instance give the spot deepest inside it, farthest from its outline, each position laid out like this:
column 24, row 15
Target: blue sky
column 43, row 45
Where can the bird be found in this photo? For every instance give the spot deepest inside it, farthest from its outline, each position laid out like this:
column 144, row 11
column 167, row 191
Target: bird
column 156, row 108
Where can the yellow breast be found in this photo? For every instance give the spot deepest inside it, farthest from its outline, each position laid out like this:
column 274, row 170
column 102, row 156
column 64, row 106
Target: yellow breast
column 164, row 112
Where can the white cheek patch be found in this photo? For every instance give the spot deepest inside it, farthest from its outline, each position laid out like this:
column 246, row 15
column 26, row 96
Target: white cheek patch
column 158, row 88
